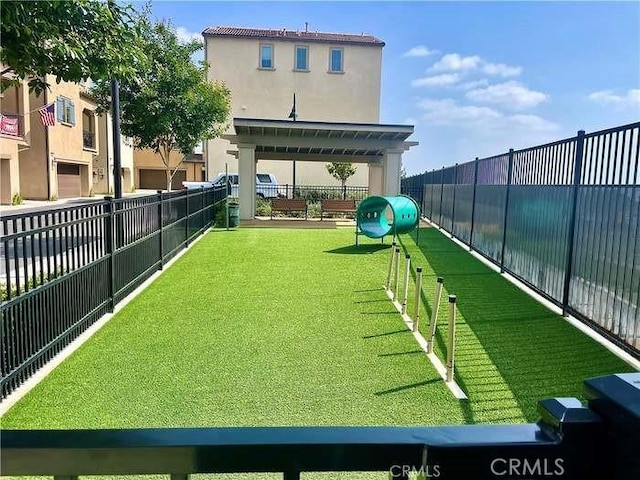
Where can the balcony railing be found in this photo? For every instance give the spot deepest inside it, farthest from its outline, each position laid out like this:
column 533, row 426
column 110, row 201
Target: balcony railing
column 88, row 140
column 570, row 441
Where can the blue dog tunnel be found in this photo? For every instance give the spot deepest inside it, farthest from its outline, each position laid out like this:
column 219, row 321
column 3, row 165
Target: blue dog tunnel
column 372, row 216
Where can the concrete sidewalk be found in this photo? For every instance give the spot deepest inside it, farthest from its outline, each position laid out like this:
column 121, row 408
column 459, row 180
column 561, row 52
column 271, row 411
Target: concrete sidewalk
column 29, row 206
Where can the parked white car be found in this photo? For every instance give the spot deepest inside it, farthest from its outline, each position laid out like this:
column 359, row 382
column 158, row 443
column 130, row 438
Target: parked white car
column 266, row 184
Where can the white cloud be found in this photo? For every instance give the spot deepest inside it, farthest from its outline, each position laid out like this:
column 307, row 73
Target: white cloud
column 533, row 122
column 419, row 51
column 455, row 62
column 483, row 82
column 447, row 112
column 436, row 80
column 186, row 36
column 510, row 94
column 608, row 97
column 501, row 70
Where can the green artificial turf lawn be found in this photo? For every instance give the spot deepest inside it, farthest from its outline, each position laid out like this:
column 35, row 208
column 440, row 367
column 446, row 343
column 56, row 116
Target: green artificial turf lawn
column 259, row 327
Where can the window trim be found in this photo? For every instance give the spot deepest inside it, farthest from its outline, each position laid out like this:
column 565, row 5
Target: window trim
column 67, row 103
column 273, row 55
column 295, row 58
column 331, row 50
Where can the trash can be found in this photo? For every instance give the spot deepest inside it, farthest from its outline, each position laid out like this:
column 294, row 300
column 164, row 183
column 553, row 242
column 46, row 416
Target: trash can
column 234, row 214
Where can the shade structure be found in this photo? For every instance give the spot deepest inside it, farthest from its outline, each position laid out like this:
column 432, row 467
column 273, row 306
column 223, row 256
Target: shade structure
column 372, row 221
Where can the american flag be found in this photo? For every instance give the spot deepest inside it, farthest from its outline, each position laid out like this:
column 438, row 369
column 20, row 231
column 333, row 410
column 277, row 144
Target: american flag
column 47, row 115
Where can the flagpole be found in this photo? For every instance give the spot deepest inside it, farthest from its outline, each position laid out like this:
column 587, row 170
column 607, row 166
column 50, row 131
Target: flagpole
column 46, row 148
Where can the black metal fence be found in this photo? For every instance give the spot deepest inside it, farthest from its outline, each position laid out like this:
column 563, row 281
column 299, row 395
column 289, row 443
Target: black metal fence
column 570, row 441
column 62, row 269
column 562, row 217
column 313, row 193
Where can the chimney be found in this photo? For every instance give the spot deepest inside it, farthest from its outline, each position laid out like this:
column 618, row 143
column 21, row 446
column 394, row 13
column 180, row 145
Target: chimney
column 306, row 27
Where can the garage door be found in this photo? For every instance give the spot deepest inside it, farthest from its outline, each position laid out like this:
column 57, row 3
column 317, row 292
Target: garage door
column 68, row 180
column 157, row 179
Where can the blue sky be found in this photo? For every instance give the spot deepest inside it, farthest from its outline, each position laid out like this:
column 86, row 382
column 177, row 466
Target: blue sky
column 475, row 78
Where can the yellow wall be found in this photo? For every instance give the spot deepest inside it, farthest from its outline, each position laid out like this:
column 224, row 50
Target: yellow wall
column 353, row 96
column 148, row 159
column 14, row 101
column 103, row 162
column 34, row 182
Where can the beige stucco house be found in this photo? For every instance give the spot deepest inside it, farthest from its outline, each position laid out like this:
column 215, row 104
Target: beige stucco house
column 15, row 136
column 72, row 158
column 150, row 171
column 335, row 77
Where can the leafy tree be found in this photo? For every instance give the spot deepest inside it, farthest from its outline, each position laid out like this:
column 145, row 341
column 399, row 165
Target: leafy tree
column 170, row 106
column 341, row 171
column 71, row 39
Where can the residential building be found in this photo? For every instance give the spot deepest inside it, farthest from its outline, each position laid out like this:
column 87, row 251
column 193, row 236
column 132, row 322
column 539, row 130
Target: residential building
column 103, row 161
column 72, row 157
column 335, row 77
column 151, row 173
column 58, row 162
column 15, row 132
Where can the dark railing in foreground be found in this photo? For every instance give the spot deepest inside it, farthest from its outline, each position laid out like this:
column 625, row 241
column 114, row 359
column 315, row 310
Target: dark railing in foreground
column 569, row 441
column 564, row 218
column 62, row 269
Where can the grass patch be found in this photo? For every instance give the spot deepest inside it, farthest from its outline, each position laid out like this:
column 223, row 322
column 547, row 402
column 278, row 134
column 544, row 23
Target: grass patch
column 251, row 327
column 511, row 350
column 258, row 327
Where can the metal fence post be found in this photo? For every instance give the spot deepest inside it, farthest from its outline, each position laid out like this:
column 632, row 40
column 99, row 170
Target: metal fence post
column 453, row 204
column 577, row 174
column 110, row 247
column 506, row 209
column 161, row 224
column 186, row 216
column 441, row 197
column 202, row 208
column 473, row 202
column 432, row 180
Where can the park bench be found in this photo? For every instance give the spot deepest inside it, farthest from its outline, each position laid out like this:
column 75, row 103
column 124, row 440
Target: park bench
column 337, row 206
column 288, row 205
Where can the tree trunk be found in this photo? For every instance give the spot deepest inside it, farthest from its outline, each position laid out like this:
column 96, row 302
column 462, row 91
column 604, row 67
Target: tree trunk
column 168, row 172
column 344, row 189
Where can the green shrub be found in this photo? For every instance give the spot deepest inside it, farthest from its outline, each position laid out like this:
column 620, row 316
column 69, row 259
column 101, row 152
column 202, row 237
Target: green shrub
column 263, row 207
column 17, row 199
column 220, row 219
column 313, row 210
column 31, row 283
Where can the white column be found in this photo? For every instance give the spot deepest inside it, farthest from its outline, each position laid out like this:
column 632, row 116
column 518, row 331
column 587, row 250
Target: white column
column 247, row 180
column 376, row 175
column 391, row 178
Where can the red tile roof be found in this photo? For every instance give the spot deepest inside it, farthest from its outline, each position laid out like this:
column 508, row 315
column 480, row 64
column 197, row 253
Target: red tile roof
column 293, row 35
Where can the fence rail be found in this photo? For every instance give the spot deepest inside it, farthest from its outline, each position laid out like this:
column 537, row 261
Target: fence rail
column 62, row 269
column 314, row 193
column 570, row 441
column 564, row 218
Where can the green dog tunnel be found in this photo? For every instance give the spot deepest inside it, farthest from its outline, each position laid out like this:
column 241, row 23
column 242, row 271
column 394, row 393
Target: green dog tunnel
column 377, row 216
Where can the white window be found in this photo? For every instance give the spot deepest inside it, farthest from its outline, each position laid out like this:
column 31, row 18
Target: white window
column 301, row 60
column 65, row 110
column 336, row 60
column 266, row 56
